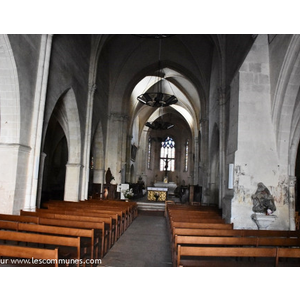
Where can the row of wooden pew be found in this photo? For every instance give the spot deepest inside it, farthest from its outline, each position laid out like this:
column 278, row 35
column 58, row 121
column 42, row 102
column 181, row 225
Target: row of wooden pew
column 65, row 232
column 200, row 237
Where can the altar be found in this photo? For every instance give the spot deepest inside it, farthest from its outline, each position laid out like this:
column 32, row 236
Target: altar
column 160, row 192
column 171, row 186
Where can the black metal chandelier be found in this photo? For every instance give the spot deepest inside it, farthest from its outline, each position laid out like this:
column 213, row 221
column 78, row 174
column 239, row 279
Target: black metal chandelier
column 159, row 125
column 158, row 98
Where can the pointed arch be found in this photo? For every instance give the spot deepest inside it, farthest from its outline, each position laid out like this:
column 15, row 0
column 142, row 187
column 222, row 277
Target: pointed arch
column 66, row 115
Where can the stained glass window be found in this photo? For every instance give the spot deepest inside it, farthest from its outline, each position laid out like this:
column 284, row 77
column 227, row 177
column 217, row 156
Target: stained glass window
column 167, row 154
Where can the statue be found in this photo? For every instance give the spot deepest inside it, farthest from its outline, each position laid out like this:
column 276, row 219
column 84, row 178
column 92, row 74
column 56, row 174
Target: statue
column 263, row 201
column 108, row 176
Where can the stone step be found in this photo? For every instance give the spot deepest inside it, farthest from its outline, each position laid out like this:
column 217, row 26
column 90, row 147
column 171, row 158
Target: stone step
column 151, row 206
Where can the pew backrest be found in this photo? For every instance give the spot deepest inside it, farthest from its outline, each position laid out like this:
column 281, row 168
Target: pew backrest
column 30, row 253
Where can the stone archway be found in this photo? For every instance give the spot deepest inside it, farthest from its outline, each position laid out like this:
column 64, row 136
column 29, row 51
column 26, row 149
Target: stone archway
column 66, row 115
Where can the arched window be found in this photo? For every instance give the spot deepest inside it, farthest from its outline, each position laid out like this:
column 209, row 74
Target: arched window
column 167, row 154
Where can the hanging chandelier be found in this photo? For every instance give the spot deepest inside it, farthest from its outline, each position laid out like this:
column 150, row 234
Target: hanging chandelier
column 158, row 98
column 159, row 125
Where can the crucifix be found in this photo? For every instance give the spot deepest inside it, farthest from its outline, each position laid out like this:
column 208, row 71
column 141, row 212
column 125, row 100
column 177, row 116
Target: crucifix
column 166, row 165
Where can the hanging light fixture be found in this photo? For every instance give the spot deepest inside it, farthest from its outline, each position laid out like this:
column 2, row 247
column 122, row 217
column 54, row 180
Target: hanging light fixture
column 159, row 125
column 158, row 98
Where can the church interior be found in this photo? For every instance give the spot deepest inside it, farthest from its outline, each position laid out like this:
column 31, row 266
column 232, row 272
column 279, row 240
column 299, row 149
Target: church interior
column 192, row 128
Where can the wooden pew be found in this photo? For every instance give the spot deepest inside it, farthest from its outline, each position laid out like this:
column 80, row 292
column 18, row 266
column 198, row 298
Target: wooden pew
column 208, row 241
column 29, row 253
column 99, row 228
column 99, row 205
column 86, row 208
column 9, row 225
column 17, row 218
column 201, row 225
column 195, row 225
column 87, row 236
column 132, row 206
column 76, row 217
column 101, row 235
column 235, row 232
column 58, row 241
column 236, row 252
column 115, row 224
column 112, row 219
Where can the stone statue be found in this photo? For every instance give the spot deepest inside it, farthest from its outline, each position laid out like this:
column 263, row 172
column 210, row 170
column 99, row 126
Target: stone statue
column 263, row 201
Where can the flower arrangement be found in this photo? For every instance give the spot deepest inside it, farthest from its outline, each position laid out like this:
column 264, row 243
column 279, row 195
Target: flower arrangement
column 128, row 193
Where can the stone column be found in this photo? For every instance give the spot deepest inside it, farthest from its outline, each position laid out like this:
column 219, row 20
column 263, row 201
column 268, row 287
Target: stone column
column 41, row 175
column 204, row 175
column 72, row 182
column 292, row 196
column 222, row 145
column 10, row 183
column 87, row 143
column 196, row 162
column 37, row 122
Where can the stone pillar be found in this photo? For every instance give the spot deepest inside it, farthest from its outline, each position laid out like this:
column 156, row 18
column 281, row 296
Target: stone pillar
column 196, row 161
column 292, row 196
column 37, row 122
column 256, row 157
column 13, row 161
column 72, row 182
column 41, row 175
column 222, row 167
column 128, row 154
column 204, row 174
column 87, row 143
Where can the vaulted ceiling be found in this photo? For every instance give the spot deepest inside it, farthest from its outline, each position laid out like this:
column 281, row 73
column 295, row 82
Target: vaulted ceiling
column 186, row 61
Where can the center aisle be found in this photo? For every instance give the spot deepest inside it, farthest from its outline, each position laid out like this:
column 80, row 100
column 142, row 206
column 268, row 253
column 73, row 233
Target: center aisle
column 144, row 244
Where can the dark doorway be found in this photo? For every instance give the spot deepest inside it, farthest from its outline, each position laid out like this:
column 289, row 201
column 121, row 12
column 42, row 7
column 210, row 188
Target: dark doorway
column 56, row 149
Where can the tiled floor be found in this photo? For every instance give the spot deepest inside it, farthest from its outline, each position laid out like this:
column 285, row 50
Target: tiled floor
column 144, row 244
